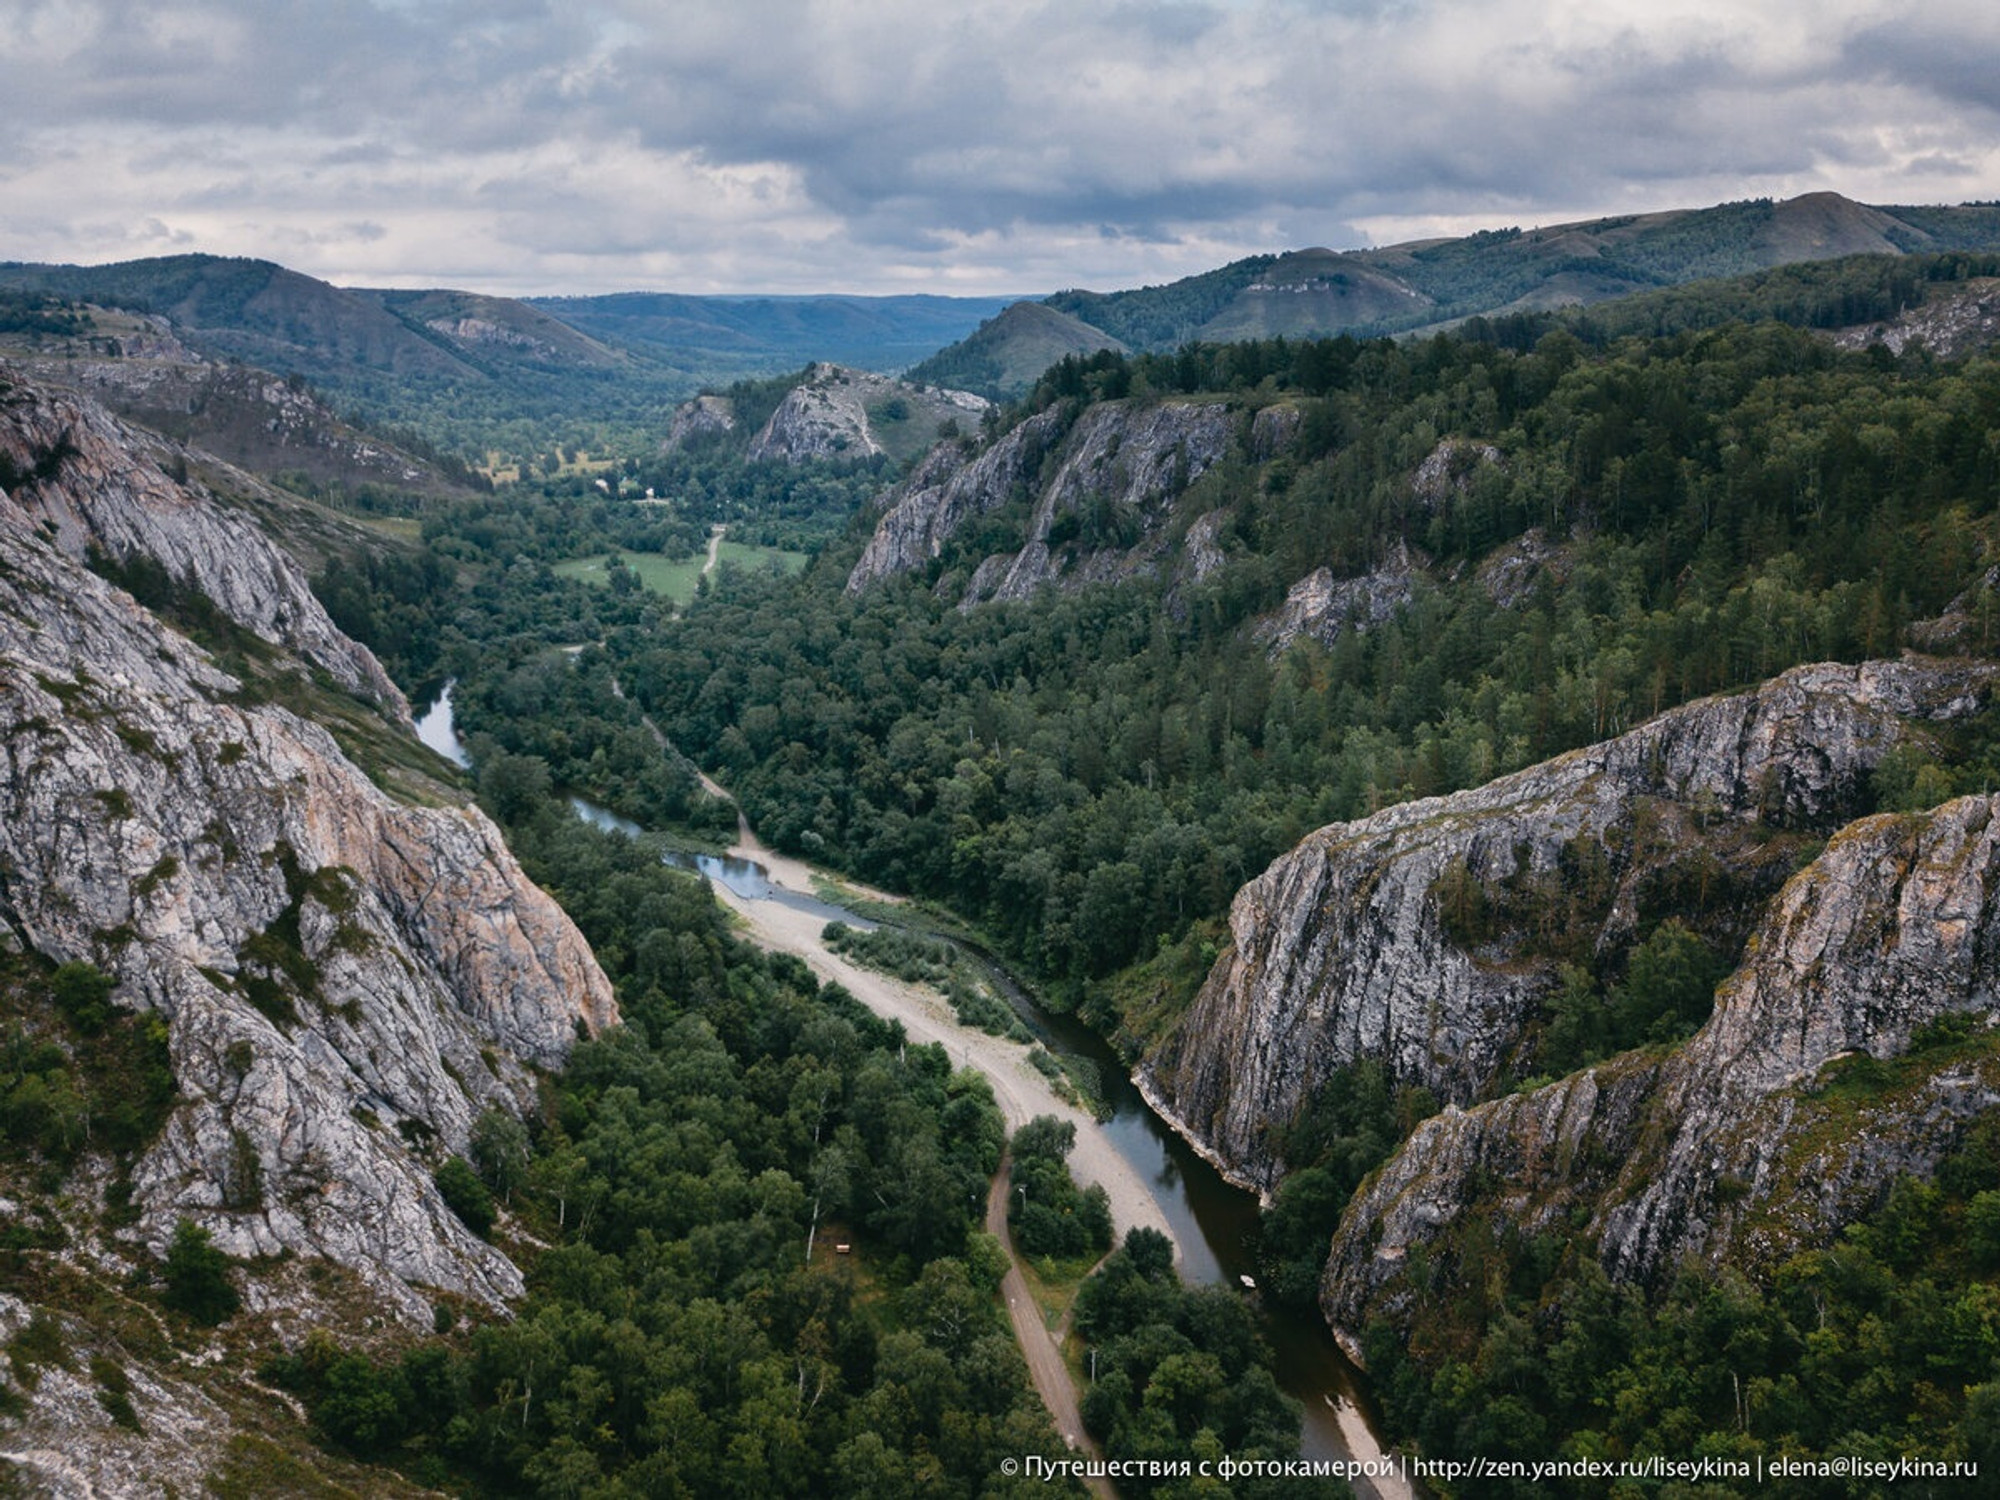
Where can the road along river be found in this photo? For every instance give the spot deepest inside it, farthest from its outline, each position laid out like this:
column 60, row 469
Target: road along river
column 1151, row 1175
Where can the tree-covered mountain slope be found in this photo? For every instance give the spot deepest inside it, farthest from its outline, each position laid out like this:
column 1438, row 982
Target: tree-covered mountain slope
column 1481, row 555
column 325, row 1138
column 468, row 372
column 758, row 334
column 1585, row 723
column 1429, row 284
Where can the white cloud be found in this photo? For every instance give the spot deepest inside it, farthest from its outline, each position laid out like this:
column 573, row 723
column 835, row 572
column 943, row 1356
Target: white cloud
column 855, row 144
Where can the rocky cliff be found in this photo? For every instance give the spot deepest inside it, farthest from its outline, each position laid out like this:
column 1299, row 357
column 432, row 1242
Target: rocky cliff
column 1325, row 607
column 93, row 485
column 699, row 418
column 347, row 980
column 1745, row 1142
column 841, row 413
column 1368, row 940
column 948, row 488
column 244, row 416
column 1101, row 492
column 1950, row 323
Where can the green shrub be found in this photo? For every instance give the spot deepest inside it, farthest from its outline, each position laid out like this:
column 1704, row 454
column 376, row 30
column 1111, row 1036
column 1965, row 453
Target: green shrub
column 197, row 1276
column 465, row 1195
column 83, row 993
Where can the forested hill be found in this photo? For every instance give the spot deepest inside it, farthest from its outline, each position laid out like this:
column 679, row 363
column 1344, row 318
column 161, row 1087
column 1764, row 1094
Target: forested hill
column 1190, row 634
column 1278, row 584
column 1431, row 283
column 468, row 373
column 769, row 333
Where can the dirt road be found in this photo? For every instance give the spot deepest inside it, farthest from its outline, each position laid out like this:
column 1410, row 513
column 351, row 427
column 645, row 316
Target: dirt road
column 1020, row 1091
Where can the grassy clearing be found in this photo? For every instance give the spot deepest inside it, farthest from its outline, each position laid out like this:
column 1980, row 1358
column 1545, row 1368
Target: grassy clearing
column 671, row 578
column 675, row 579
column 402, row 528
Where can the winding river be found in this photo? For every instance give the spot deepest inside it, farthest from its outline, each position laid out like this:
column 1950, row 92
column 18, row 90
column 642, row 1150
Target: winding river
column 1213, row 1221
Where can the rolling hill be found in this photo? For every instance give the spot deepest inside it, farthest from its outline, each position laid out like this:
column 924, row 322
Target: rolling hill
column 460, row 367
column 1427, row 284
column 759, row 335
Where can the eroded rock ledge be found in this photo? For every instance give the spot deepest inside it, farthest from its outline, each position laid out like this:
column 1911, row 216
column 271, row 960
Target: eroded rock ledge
column 1728, row 1146
column 1342, row 950
column 347, row 980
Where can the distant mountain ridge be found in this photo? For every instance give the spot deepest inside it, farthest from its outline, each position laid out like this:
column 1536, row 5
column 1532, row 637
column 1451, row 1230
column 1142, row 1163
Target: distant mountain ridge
column 1427, row 284
column 264, row 314
column 882, row 334
column 461, row 365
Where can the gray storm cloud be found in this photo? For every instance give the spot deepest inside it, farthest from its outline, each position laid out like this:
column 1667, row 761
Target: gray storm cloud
column 535, row 146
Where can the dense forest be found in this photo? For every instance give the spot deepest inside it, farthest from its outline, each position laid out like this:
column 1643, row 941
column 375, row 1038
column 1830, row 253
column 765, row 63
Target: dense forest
column 1689, row 495
column 691, row 1328
column 1090, row 777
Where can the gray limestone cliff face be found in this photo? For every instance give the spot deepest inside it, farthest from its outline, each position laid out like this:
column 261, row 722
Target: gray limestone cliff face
column 1325, row 608
column 822, row 417
column 1341, row 950
column 242, row 415
column 1101, row 494
column 1729, row 1146
column 91, row 482
column 344, row 978
column 1449, row 470
column 701, row 417
column 827, row 415
column 949, row 487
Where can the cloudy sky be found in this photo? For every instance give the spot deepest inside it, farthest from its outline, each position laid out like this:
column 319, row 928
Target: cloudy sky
column 533, row 146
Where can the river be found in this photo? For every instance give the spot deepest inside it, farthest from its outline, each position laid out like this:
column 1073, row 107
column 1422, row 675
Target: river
column 1213, row 1221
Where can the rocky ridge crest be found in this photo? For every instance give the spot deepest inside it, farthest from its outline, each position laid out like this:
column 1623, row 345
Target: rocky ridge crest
column 1344, row 950
column 1730, row 1146
column 345, row 979
column 94, row 485
column 1102, row 491
column 828, row 414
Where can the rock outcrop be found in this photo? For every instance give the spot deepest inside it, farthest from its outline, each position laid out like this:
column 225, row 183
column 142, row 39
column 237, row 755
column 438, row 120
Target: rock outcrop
column 1450, row 469
column 1102, row 492
column 347, row 981
column 1323, row 607
column 1511, row 573
column 1273, row 430
column 244, row 416
column 948, row 488
column 1953, row 322
column 1343, row 949
column 831, row 414
column 94, row 485
column 1731, row 1145
column 697, row 419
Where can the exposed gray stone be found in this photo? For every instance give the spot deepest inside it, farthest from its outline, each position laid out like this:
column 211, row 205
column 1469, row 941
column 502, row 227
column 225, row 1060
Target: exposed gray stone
column 1122, row 462
column 1449, row 470
column 701, row 417
column 948, row 487
column 1511, row 573
column 155, row 824
column 826, row 414
column 1340, row 951
column 97, row 484
column 1720, row 1150
column 1324, row 607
